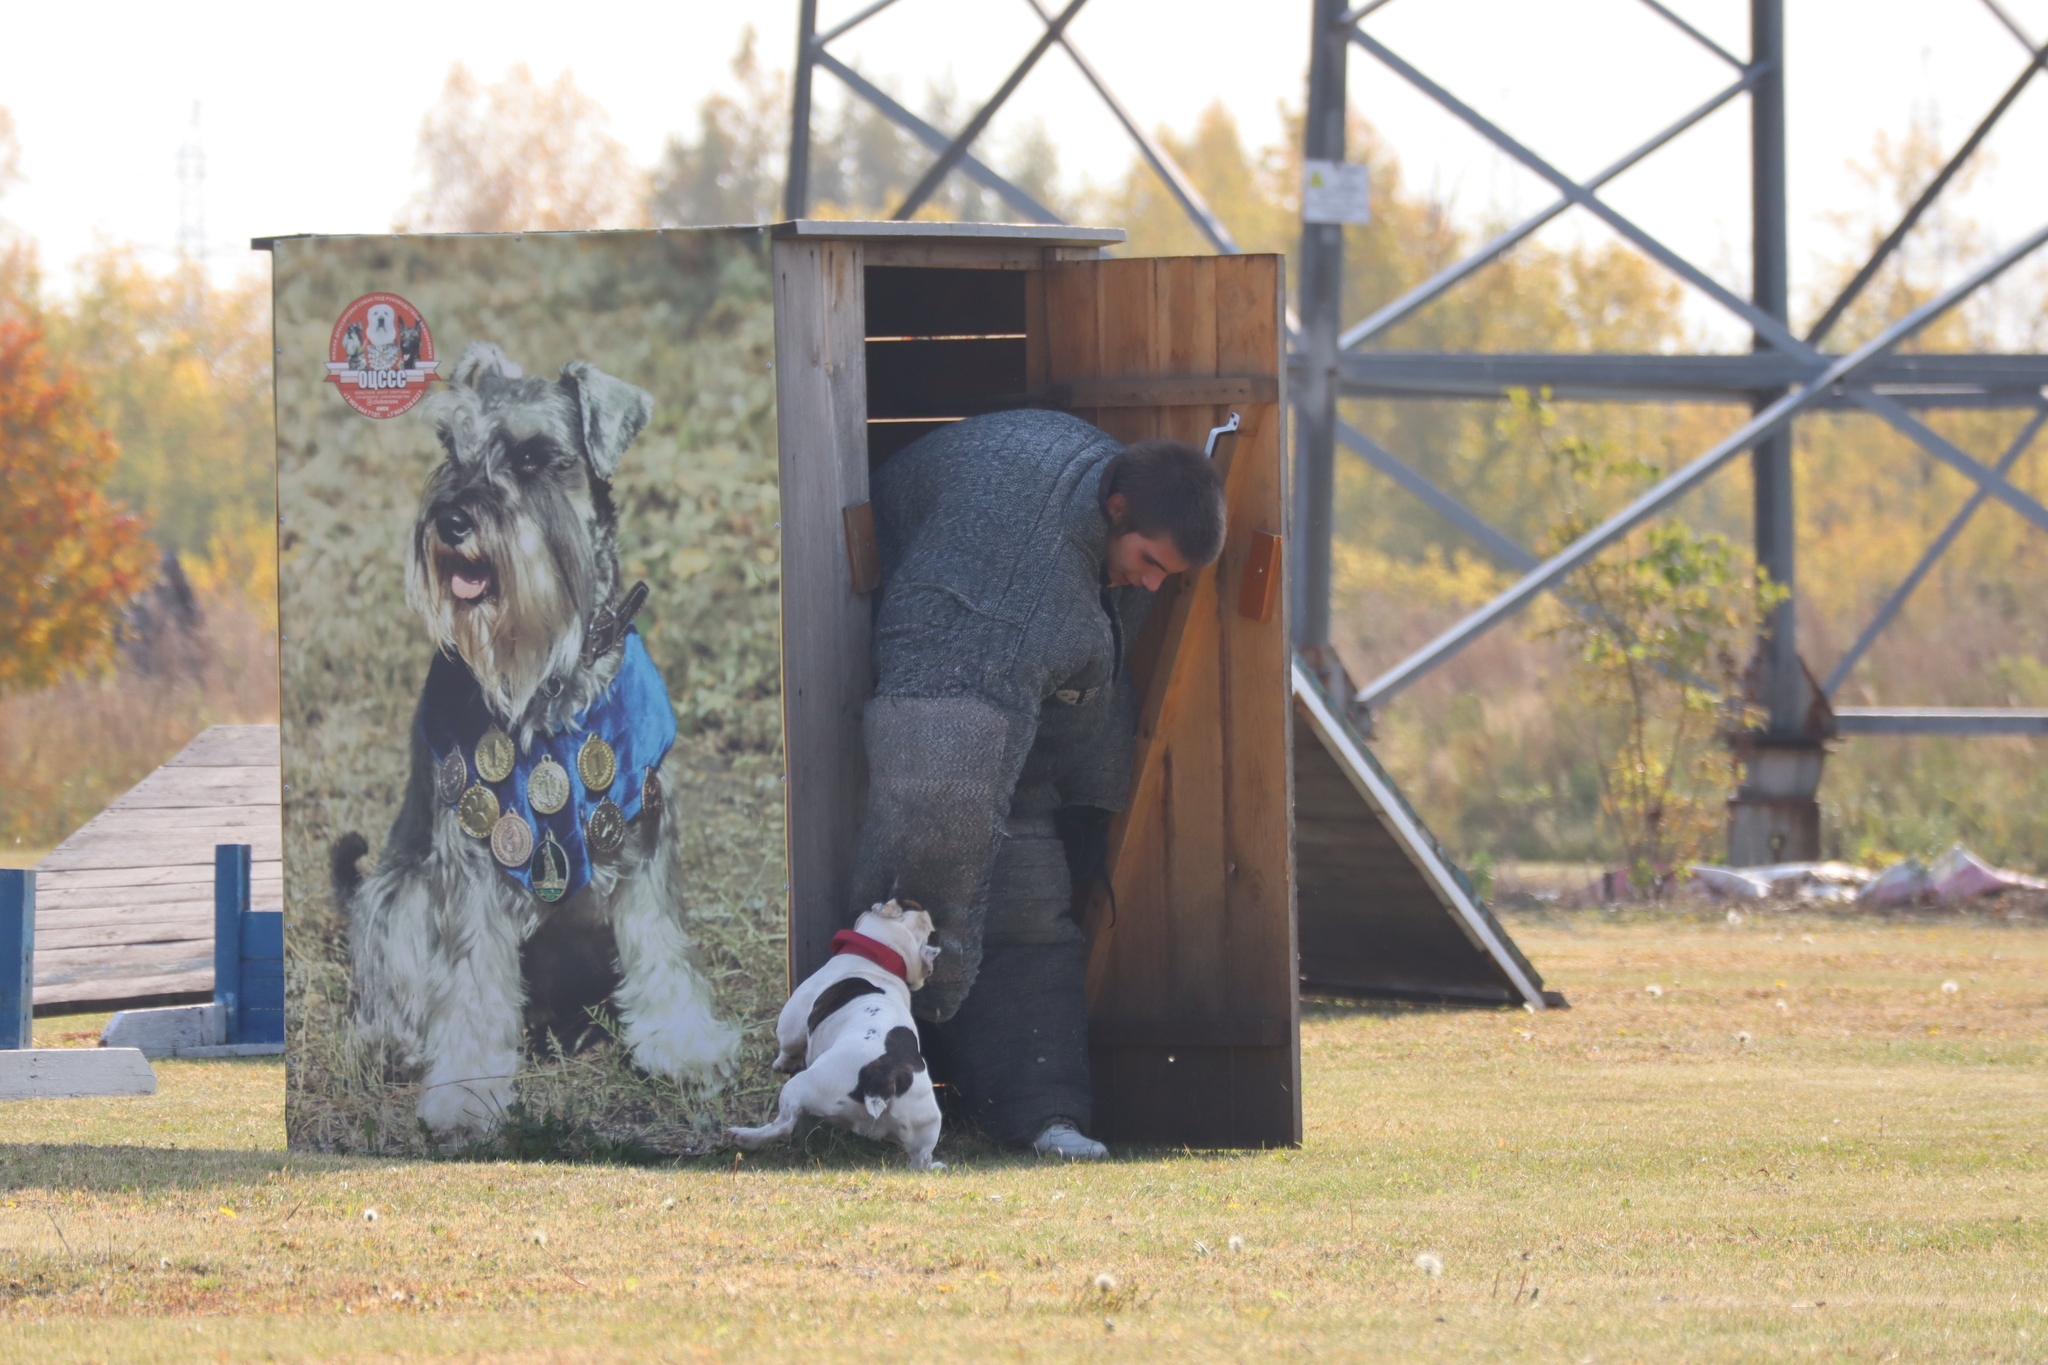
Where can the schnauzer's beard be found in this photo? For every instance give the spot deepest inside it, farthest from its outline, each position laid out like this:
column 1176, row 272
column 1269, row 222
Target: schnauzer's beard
column 527, row 624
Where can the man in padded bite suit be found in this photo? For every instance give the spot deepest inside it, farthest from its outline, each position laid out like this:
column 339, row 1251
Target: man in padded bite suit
column 1020, row 552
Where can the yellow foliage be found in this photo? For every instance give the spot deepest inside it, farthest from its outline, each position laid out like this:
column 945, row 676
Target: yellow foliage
column 240, row 563
column 1451, row 579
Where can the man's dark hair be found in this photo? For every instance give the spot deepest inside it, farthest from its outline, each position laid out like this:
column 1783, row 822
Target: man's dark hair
column 1170, row 488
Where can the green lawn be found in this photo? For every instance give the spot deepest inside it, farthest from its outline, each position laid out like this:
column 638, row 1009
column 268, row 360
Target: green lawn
column 1860, row 1172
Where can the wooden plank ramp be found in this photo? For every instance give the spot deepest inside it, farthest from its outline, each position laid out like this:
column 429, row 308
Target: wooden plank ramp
column 1383, row 912
column 124, row 907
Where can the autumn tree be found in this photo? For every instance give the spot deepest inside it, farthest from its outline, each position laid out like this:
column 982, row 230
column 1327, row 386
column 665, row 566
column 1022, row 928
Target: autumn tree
column 180, row 368
column 70, row 557
column 731, row 172
column 520, row 156
column 10, row 152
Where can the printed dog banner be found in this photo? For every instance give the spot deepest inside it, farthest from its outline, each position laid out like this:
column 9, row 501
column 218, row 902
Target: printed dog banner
column 530, row 658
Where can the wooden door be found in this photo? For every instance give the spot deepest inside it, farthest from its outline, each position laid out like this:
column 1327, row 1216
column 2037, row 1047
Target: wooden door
column 1193, row 1004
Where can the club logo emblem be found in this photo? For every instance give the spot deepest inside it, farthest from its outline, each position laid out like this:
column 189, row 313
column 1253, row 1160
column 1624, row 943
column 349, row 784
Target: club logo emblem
column 381, row 355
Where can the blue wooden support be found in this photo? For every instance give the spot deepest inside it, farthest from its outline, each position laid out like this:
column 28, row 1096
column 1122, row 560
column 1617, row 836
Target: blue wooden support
column 248, row 953
column 17, row 957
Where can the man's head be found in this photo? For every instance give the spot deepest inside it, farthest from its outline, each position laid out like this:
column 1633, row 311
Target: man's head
column 1164, row 500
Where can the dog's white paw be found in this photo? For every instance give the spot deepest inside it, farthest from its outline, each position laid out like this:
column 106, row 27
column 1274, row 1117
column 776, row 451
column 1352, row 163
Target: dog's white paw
column 788, row 1063
column 688, row 1043
column 750, row 1138
column 464, row 1107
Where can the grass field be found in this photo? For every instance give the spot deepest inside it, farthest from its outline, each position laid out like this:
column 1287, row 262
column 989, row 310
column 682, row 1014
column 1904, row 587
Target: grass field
column 1801, row 1146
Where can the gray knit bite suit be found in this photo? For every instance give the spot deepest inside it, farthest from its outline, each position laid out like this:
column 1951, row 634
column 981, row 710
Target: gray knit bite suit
column 1000, row 700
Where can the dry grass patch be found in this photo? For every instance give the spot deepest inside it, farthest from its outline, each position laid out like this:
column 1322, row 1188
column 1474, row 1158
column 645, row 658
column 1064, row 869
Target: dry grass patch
column 1626, row 1180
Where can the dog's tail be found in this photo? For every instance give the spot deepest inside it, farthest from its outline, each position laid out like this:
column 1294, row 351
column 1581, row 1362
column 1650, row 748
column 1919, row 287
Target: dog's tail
column 342, row 867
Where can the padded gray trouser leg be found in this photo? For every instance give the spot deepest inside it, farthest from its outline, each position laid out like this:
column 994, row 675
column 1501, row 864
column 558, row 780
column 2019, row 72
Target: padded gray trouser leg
column 1016, row 1054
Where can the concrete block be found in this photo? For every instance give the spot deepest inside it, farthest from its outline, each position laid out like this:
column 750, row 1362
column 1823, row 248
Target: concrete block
column 52, row 1073
column 170, row 1031
column 232, row 1050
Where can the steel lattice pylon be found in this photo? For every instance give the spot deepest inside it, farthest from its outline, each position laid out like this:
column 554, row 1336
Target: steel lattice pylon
column 1784, row 376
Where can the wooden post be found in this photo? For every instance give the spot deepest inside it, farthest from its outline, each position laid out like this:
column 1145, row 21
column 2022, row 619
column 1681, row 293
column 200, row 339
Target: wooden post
column 230, row 899
column 260, row 1018
column 821, row 414
column 17, row 957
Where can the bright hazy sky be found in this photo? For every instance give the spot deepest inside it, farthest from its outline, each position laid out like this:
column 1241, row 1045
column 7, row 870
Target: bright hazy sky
column 309, row 113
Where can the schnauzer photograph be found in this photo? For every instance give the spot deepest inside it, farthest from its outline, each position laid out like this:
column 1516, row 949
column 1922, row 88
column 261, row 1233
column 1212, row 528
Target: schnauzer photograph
column 534, row 867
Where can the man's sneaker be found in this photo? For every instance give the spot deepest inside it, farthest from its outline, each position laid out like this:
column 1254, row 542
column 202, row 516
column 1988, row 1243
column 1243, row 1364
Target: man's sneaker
column 1061, row 1138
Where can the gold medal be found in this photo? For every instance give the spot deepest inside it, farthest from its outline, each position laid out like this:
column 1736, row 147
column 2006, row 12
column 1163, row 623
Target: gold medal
column 550, row 870
column 650, row 792
column 606, row 828
column 547, row 786
column 495, row 755
column 597, row 765
column 512, row 839
column 451, row 775
column 477, row 812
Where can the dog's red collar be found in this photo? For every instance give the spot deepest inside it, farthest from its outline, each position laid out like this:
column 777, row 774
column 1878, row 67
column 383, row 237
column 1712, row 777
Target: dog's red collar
column 860, row 945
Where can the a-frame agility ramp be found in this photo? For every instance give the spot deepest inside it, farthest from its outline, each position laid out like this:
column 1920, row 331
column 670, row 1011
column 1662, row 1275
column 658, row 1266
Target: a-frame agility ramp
column 1383, row 912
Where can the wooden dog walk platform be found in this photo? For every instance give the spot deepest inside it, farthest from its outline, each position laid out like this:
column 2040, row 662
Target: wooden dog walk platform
column 125, row 906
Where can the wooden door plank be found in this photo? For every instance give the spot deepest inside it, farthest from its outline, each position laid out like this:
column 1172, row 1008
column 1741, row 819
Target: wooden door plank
column 1188, row 328
column 1127, row 323
column 1189, row 638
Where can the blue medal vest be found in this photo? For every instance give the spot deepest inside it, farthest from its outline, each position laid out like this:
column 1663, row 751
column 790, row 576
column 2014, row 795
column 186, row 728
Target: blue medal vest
column 633, row 715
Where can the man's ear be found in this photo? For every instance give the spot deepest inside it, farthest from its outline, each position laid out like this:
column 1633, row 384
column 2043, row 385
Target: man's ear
column 1119, row 508
column 931, row 954
column 611, row 412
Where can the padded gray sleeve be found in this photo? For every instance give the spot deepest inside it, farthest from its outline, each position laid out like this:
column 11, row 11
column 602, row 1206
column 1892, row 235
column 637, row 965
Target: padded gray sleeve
column 940, row 775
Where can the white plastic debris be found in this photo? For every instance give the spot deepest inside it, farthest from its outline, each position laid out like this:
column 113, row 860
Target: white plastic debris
column 1899, row 884
column 1728, row 881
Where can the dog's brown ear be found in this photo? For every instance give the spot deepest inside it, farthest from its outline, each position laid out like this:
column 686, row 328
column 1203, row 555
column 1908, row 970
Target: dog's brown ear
column 611, row 410
column 889, row 910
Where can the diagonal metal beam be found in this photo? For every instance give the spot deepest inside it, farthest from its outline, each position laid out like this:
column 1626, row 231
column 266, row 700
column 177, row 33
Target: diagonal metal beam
column 1438, row 501
column 1162, row 163
column 1952, row 455
column 1483, row 531
column 1702, row 39
column 1675, row 485
column 931, row 137
column 1935, row 551
column 855, row 22
column 1766, row 326
column 2012, row 25
column 1357, row 12
column 1422, row 294
column 957, row 149
column 1890, row 244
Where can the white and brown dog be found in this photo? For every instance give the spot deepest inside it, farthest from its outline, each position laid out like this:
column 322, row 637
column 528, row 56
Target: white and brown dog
column 848, row 1035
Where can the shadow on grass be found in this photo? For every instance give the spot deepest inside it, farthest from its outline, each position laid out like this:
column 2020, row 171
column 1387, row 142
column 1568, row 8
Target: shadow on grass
column 1327, row 1008
column 140, row 1169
